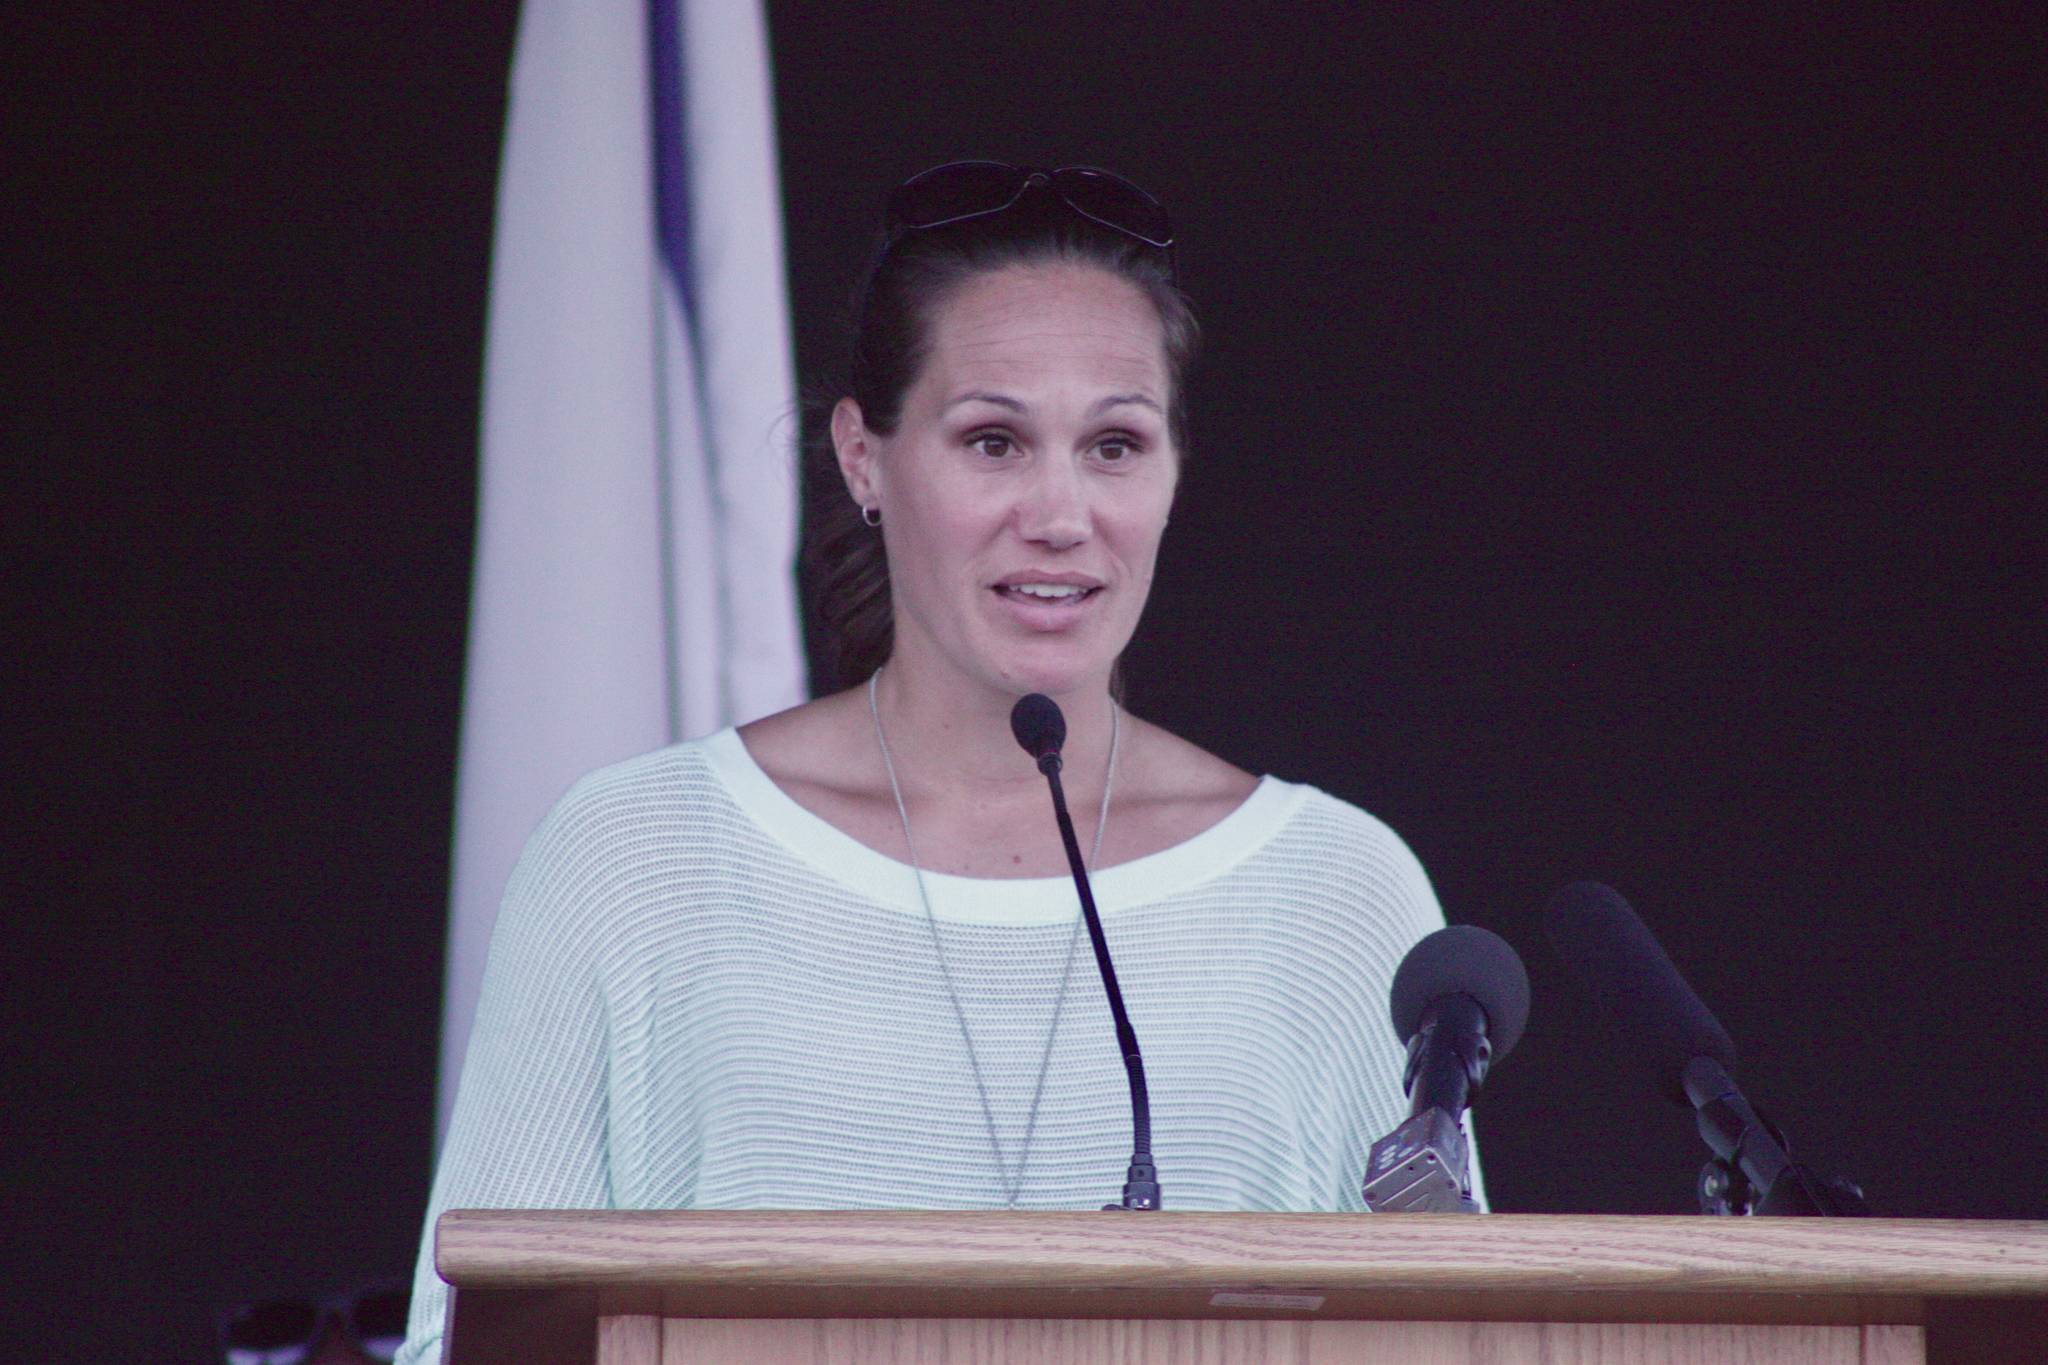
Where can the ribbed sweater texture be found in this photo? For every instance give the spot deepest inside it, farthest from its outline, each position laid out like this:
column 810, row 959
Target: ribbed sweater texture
column 701, row 995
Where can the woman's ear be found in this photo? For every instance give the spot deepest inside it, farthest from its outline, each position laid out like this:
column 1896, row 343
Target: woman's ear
column 855, row 447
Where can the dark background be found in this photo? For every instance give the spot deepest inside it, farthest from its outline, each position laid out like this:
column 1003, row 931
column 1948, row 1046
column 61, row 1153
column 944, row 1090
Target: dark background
column 1616, row 455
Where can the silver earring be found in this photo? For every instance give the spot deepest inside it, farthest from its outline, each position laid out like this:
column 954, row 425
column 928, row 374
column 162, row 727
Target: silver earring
column 871, row 515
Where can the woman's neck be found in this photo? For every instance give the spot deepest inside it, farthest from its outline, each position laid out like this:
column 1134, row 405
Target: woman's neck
column 951, row 739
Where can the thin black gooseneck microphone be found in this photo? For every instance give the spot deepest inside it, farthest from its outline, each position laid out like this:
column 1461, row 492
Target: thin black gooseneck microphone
column 1038, row 725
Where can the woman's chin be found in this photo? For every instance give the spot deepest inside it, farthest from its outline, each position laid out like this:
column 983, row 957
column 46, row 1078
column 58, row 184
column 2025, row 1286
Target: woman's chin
column 1056, row 666
column 1055, row 673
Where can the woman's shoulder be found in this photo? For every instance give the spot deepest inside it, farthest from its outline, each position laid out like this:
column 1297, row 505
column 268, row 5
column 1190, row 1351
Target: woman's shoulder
column 821, row 756
column 625, row 840
column 813, row 744
column 1309, row 822
column 1336, row 868
column 633, row 805
column 1353, row 855
column 1181, row 781
column 1175, row 761
column 650, row 781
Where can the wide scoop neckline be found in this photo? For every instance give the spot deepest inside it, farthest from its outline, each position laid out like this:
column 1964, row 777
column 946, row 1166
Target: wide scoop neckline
column 875, row 875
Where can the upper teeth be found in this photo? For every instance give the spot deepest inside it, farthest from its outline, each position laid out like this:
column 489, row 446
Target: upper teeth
column 1047, row 589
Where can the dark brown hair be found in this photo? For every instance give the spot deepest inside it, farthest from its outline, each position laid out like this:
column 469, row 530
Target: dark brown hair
column 902, row 290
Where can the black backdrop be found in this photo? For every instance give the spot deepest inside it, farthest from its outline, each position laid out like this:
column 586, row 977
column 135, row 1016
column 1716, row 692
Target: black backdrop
column 1616, row 455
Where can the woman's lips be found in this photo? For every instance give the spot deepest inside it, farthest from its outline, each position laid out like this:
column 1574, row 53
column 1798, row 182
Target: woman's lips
column 1045, row 592
column 1054, row 607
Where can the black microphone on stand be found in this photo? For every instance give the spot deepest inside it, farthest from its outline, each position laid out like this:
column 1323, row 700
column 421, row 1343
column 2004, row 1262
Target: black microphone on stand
column 1038, row 725
column 1460, row 1000
column 1622, row 965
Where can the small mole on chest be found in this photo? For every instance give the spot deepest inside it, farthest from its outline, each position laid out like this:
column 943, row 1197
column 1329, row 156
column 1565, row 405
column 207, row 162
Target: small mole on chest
column 1016, row 857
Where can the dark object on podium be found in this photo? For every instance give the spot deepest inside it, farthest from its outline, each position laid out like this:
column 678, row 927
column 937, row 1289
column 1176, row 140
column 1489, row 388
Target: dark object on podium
column 1460, row 1001
column 1622, row 966
column 1752, row 1170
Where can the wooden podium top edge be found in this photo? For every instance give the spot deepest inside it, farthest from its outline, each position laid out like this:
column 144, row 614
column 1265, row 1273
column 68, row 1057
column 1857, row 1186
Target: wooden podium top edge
column 988, row 1252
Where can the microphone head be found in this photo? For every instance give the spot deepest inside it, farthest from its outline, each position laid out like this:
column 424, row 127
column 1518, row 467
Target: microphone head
column 1621, row 964
column 1464, row 960
column 1038, row 725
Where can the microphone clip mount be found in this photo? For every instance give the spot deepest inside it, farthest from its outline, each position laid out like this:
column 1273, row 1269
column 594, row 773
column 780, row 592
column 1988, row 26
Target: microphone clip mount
column 1421, row 1167
column 1752, row 1171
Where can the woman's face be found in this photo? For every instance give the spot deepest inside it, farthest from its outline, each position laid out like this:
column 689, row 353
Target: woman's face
column 1028, row 481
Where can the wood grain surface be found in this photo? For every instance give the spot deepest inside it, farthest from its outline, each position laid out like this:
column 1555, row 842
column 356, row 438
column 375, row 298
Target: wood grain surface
column 1504, row 1289
column 933, row 1341
column 1194, row 1251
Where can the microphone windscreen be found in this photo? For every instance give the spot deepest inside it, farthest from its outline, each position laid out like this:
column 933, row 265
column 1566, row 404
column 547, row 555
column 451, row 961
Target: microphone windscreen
column 1621, row 964
column 1464, row 960
column 1038, row 725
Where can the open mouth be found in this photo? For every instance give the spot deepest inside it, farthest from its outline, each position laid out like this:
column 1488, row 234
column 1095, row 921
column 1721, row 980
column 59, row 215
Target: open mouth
column 1045, row 594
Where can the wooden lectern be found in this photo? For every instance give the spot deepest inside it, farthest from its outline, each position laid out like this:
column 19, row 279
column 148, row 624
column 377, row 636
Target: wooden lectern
column 664, row 1288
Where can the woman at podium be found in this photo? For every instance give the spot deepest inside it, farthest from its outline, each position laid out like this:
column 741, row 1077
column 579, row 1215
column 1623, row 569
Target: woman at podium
column 834, row 958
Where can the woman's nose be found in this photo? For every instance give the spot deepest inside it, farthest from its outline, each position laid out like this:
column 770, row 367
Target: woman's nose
column 1053, row 510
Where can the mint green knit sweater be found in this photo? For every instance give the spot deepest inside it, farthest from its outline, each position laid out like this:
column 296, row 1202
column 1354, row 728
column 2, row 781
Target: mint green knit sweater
column 700, row 995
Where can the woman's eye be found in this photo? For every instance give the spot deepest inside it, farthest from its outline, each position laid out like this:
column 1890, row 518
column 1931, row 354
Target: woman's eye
column 993, row 444
column 1115, row 449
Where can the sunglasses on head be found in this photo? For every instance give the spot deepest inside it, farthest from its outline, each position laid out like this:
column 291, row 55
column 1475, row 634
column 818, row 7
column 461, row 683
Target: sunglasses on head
column 285, row 1331
column 962, row 190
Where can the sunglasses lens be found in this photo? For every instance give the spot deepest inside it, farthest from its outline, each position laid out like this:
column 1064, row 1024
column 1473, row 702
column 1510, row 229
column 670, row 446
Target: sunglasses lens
column 1116, row 203
column 379, row 1320
column 273, row 1333
column 961, row 189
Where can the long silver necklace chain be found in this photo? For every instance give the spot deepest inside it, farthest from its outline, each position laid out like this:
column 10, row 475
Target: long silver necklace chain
column 1015, row 1184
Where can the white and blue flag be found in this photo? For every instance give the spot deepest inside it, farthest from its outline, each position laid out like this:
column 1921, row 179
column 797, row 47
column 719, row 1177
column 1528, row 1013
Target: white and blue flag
column 637, row 507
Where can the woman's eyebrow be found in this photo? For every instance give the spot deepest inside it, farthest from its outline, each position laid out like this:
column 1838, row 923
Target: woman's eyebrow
column 1100, row 406
column 1103, row 405
column 998, row 399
